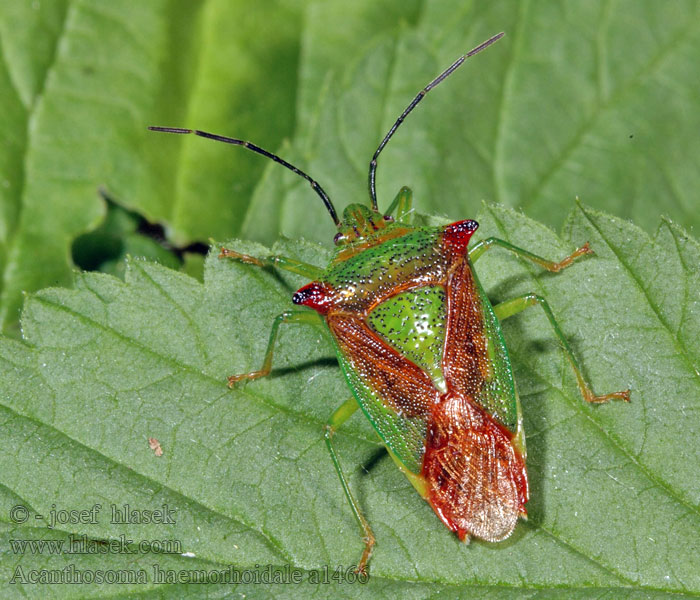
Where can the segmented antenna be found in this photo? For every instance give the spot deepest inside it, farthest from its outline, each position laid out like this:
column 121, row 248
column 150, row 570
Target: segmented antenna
column 453, row 67
column 227, row 140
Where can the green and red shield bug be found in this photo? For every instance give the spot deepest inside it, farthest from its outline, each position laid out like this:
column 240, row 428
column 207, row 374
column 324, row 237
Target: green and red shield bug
column 422, row 350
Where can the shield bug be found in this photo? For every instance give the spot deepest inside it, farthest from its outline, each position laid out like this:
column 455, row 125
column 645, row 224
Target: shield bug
column 422, row 350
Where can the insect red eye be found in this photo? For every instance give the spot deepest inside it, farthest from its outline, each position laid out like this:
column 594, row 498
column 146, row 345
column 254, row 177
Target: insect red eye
column 314, row 295
column 457, row 235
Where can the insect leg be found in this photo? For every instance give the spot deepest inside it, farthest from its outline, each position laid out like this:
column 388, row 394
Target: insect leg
column 478, row 249
column 290, row 316
column 344, row 412
column 402, row 204
column 283, row 262
column 511, row 307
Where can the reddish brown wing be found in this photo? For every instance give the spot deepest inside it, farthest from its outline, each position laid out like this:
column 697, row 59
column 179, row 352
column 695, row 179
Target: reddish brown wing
column 477, row 478
column 465, row 360
column 402, row 385
column 394, row 393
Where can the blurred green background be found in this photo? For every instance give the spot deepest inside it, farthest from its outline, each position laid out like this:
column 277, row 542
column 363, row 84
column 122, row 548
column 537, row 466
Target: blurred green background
column 591, row 99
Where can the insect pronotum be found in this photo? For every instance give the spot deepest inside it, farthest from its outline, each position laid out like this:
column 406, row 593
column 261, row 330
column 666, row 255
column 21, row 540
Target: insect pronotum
column 421, row 348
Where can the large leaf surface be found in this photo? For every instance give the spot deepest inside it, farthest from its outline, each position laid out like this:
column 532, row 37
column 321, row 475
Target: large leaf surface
column 590, row 99
column 597, row 100
column 615, row 488
column 80, row 81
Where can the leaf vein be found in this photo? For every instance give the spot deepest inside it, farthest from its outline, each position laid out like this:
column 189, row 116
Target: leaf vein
column 622, row 92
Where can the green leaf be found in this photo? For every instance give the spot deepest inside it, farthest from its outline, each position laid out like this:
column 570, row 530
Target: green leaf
column 106, row 366
column 106, row 247
column 543, row 117
column 590, row 99
column 80, row 82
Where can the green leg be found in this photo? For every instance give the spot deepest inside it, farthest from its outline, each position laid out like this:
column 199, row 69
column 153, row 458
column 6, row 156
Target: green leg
column 401, row 204
column 550, row 265
column 344, row 412
column 288, row 264
column 290, row 316
column 511, row 307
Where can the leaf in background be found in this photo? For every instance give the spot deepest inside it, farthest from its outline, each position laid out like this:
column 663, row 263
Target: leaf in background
column 120, row 235
column 596, row 100
column 79, row 83
column 245, row 85
column 543, row 117
column 615, row 488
